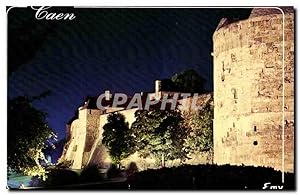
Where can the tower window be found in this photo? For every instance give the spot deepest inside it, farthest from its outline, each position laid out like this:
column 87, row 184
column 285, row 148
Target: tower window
column 222, row 77
column 223, row 66
column 255, row 129
column 75, row 148
column 255, row 143
column 233, row 58
column 234, row 92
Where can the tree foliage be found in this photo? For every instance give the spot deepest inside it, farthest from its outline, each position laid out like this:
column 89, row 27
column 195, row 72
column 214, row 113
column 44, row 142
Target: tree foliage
column 28, row 133
column 188, row 81
column 162, row 134
column 200, row 136
column 159, row 134
column 117, row 137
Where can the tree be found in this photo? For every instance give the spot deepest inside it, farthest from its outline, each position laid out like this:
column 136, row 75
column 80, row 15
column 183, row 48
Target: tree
column 117, row 137
column 200, row 136
column 159, row 134
column 28, row 134
column 168, row 85
column 188, row 81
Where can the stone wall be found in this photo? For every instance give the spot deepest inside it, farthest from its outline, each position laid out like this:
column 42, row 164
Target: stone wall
column 74, row 148
column 92, row 132
column 248, row 92
column 85, row 144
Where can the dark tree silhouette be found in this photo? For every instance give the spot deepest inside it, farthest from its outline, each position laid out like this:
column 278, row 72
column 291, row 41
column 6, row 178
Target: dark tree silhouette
column 189, row 81
column 28, row 133
column 117, row 137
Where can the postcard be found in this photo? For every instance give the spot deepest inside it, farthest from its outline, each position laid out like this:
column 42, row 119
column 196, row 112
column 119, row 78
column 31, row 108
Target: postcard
column 150, row 98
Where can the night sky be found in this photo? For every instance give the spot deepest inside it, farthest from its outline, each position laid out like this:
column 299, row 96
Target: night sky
column 123, row 50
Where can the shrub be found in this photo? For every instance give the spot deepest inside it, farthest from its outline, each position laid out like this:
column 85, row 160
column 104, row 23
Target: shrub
column 229, row 177
column 91, row 174
column 36, row 181
column 131, row 169
column 59, row 177
column 113, row 172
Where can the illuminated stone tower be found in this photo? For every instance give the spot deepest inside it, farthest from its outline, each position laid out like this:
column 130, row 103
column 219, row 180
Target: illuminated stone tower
column 250, row 87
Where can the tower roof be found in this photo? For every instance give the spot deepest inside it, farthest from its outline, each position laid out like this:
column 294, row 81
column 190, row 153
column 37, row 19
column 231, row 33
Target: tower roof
column 268, row 11
column 256, row 12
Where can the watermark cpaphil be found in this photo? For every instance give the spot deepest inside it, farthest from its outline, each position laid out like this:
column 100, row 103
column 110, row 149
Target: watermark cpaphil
column 146, row 101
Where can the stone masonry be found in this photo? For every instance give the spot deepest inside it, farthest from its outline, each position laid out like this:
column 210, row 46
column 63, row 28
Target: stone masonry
column 254, row 98
column 84, row 146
